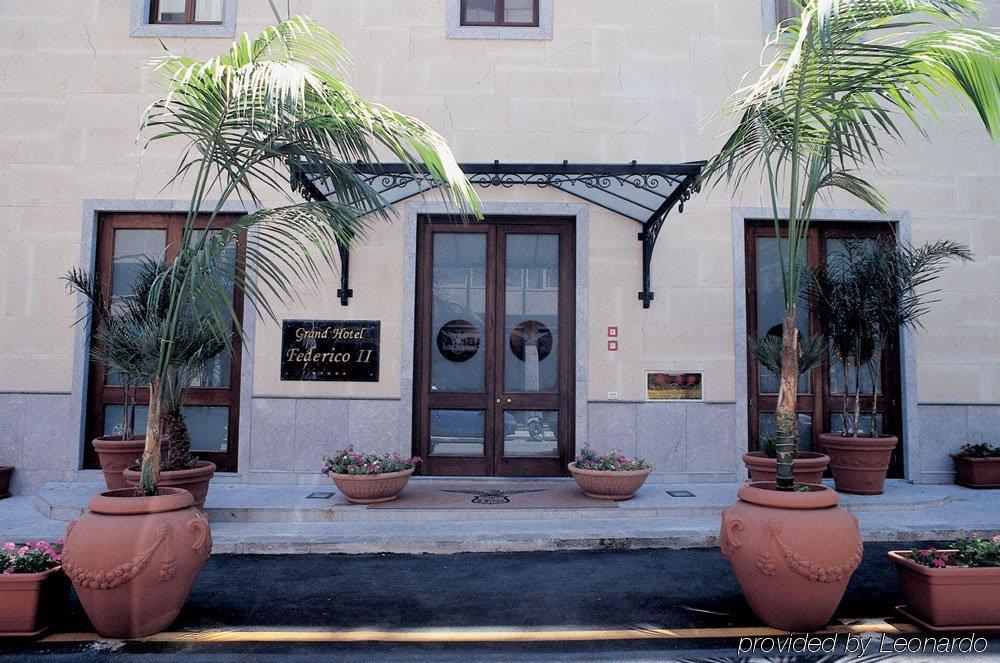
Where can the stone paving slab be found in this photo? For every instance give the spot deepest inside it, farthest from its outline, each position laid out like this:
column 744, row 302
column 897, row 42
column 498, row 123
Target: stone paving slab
column 652, row 520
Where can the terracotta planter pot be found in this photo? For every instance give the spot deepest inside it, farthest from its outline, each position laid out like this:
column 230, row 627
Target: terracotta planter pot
column 116, row 455
column 808, row 467
column 793, row 553
column 859, row 464
column 950, row 597
column 6, row 472
column 977, row 472
column 31, row 602
column 604, row 485
column 194, row 480
column 371, row 488
column 133, row 560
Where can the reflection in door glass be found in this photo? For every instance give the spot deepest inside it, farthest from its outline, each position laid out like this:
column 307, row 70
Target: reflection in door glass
column 771, row 306
column 458, row 361
column 768, row 428
column 457, row 432
column 834, row 246
column 531, row 434
column 532, row 313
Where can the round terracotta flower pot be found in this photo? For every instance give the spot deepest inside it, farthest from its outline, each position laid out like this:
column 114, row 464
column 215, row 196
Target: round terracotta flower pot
column 608, row 485
column 194, row 480
column 133, row 560
column 859, row 464
column 371, row 488
column 793, row 553
column 116, row 455
column 808, row 466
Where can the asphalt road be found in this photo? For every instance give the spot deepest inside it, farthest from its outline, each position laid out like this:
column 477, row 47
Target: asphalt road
column 599, row 590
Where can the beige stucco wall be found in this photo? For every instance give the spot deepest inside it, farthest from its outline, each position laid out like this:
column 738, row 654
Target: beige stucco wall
column 619, row 81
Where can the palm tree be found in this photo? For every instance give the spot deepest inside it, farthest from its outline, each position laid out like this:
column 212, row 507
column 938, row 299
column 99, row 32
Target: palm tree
column 842, row 79
column 250, row 118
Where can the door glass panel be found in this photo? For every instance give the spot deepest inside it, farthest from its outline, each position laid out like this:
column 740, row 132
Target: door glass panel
column 771, row 307
column 170, row 11
column 215, row 373
column 208, row 427
column 457, row 432
column 768, row 428
column 480, row 11
column 208, row 11
column 519, row 11
column 458, row 327
column 865, row 424
column 531, row 323
column 531, row 434
column 113, row 420
column 833, row 247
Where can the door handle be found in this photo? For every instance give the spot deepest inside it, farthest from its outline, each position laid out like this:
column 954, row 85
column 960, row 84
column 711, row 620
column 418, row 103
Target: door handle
column 508, row 400
column 498, row 400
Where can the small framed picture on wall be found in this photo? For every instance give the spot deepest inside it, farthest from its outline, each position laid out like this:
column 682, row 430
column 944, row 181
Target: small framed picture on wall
column 669, row 386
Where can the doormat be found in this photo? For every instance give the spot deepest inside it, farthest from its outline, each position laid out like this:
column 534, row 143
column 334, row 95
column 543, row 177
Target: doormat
column 500, row 495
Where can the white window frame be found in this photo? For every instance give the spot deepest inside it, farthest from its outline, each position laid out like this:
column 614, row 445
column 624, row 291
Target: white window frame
column 142, row 27
column 543, row 31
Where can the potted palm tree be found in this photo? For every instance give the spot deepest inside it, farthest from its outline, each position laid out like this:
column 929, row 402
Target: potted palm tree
column 835, row 82
column 248, row 119
column 865, row 293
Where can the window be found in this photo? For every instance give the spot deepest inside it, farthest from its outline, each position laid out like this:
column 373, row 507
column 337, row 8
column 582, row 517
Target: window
column 186, row 11
column 211, row 407
column 821, row 392
column 784, row 10
column 505, row 13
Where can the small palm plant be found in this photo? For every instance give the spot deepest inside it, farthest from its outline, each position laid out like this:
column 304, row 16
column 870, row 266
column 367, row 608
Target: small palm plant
column 838, row 79
column 269, row 110
column 865, row 293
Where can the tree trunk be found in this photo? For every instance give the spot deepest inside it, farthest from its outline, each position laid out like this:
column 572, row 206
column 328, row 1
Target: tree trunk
column 785, row 417
column 179, row 449
column 151, row 454
column 857, row 399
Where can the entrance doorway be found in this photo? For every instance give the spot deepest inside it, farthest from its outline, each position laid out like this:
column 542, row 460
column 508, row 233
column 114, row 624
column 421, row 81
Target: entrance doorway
column 494, row 355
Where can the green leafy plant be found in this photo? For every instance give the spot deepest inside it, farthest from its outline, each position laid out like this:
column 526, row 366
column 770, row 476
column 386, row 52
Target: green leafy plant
column 865, row 293
column 980, row 450
column 836, row 81
column 270, row 111
column 972, row 551
column 348, row 461
column 31, row 557
column 613, row 461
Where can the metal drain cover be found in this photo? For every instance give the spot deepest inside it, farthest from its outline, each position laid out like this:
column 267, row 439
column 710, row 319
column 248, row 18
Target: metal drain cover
column 319, row 496
column 680, row 493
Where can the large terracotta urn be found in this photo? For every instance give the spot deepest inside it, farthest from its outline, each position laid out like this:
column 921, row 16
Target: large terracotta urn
column 133, row 560
column 793, row 553
column 195, row 480
column 859, row 464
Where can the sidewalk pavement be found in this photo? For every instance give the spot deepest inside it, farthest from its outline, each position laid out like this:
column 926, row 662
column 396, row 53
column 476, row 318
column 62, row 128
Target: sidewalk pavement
column 281, row 519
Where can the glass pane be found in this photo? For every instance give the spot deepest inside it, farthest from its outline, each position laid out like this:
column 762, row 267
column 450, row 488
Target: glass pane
column 208, row 427
column 208, row 11
column 768, row 428
column 170, row 11
column 771, row 307
column 531, row 434
column 458, row 341
column 215, row 373
column 480, row 11
column 519, row 11
column 531, row 326
column 113, row 420
column 833, row 247
column 457, row 432
column 131, row 247
column 837, row 423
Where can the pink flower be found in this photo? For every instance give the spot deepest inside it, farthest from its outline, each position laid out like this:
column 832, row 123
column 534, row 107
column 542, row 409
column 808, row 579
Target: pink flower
column 9, row 546
column 940, row 563
column 60, row 541
column 23, row 550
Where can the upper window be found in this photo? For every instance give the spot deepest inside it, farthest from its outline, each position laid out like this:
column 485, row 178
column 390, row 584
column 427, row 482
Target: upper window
column 784, row 10
column 186, row 11
column 506, row 13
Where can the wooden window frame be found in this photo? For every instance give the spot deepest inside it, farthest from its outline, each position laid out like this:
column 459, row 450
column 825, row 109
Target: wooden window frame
column 820, row 403
column 99, row 394
column 498, row 12
column 189, row 14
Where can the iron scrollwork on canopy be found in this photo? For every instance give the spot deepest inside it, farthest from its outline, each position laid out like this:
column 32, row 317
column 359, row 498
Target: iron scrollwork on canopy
column 642, row 192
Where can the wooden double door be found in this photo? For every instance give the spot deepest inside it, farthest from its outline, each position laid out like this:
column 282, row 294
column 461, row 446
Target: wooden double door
column 494, row 355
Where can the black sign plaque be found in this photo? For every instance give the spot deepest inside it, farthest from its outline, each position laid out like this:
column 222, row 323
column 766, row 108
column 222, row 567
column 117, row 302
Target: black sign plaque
column 330, row 350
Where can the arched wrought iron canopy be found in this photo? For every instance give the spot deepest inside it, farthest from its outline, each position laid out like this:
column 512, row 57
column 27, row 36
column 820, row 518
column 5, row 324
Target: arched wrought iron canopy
column 646, row 193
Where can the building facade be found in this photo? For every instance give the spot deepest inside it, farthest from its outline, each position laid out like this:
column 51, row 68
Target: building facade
column 503, row 346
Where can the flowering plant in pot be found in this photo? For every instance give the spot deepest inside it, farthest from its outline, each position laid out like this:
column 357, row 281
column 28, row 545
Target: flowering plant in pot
column 270, row 111
column 368, row 478
column 33, row 589
column 613, row 476
column 811, row 122
column 953, row 589
column 865, row 293
column 978, row 466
